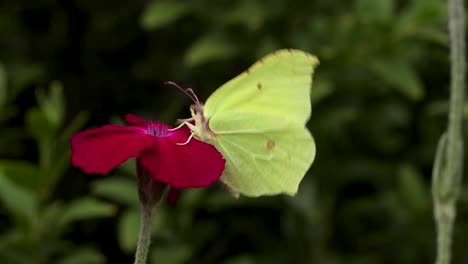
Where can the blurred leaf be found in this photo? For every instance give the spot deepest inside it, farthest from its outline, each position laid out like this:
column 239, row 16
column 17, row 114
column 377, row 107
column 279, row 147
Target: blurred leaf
column 76, row 124
column 162, row 13
column 399, row 75
column 161, row 222
column 412, row 187
column 84, row 255
column 306, row 201
column 208, row 49
column 251, row 14
column 61, row 162
column 23, row 173
column 129, row 167
column 3, row 87
column 39, row 125
column 242, row 259
column 87, row 208
column 22, row 75
column 128, row 228
column 321, row 88
column 47, row 221
column 423, row 19
column 19, row 201
column 375, row 10
column 170, row 254
column 10, row 144
column 52, row 103
column 117, row 189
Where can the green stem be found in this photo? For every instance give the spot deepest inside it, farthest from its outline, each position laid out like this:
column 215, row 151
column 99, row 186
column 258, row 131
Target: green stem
column 144, row 236
column 448, row 164
column 445, row 215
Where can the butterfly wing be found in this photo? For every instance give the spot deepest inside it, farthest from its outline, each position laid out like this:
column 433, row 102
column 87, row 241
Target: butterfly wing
column 266, row 163
column 259, row 118
column 276, row 88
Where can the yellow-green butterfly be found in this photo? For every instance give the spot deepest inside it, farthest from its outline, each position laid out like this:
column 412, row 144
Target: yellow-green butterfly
column 257, row 121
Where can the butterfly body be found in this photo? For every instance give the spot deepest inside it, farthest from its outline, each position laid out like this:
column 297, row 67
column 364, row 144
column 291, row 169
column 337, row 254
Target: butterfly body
column 257, row 121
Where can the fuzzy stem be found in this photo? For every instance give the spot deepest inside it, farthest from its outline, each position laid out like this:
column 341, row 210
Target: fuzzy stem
column 448, row 164
column 144, row 236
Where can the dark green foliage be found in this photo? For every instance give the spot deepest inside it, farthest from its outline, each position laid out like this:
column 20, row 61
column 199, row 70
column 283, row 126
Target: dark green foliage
column 379, row 107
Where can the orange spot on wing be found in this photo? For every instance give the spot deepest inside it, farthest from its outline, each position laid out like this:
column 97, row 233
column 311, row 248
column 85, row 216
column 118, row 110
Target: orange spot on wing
column 270, row 144
column 259, row 86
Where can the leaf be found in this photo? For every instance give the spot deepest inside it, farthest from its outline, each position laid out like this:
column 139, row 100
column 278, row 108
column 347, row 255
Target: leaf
column 23, row 75
column 424, row 20
column 87, row 208
column 23, row 173
column 162, row 13
column 84, row 255
column 321, row 88
column 412, row 188
column 400, row 75
column 3, row 86
column 170, row 254
column 76, row 124
column 241, row 259
column 19, row 201
column 118, row 189
column 207, row 49
column 39, row 125
column 375, row 11
column 128, row 230
column 251, row 14
column 52, row 103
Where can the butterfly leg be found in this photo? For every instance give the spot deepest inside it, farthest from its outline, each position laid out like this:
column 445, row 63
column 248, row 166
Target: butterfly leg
column 183, row 122
column 186, row 142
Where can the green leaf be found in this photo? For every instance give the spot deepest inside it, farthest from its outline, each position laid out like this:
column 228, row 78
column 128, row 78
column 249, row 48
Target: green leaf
column 399, row 75
column 425, row 20
column 19, row 201
column 87, row 208
column 412, row 188
column 170, row 254
column 84, row 255
column 52, row 103
column 128, row 230
column 39, row 125
column 3, row 86
column 162, row 13
column 76, row 124
column 47, row 220
column 241, row 259
column 321, row 88
column 251, row 14
column 118, row 189
column 208, row 49
column 23, row 75
column 23, row 173
column 375, row 10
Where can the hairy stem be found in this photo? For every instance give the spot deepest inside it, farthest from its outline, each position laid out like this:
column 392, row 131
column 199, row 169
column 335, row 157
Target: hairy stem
column 144, row 235
column 448, row 164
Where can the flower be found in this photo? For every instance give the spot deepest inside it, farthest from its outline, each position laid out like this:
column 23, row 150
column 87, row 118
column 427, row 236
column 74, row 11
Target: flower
column 160, row 151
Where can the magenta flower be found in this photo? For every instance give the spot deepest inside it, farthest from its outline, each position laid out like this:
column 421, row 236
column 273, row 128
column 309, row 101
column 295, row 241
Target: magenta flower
column 157, row 149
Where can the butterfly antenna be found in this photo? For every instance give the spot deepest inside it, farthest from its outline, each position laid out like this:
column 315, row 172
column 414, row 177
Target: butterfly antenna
column 189, row 92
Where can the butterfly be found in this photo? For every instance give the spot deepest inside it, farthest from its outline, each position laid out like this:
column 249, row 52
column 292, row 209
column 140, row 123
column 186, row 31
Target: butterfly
column 258, row 122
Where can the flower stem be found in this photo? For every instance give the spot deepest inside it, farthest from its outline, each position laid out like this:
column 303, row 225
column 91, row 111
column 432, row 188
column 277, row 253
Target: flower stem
column 144, row 236
column 448, row 165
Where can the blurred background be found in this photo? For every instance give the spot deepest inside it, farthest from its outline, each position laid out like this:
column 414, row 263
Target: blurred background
column 379, row 106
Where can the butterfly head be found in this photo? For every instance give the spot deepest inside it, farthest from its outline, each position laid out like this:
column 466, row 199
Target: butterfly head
column 202, row 129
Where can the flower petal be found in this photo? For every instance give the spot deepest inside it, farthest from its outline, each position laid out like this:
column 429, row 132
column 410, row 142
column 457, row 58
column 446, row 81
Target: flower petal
column 135, row 120
column 193, row 165
column 101, row 149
